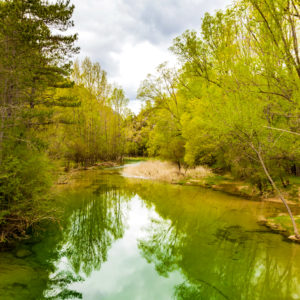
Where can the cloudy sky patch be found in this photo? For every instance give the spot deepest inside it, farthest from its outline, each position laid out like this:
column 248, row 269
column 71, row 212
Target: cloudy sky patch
column 130, row 38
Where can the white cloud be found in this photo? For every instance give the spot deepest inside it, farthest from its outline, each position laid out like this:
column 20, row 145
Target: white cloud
column 137, row 61
column 130, row 38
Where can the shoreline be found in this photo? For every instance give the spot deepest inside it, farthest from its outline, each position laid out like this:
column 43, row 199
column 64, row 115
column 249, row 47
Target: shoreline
column 279, row 223
column 206, row 179
column 225, row 184
column 64, row 177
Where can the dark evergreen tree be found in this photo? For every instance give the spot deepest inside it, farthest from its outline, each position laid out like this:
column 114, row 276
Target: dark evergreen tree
column 35, row 60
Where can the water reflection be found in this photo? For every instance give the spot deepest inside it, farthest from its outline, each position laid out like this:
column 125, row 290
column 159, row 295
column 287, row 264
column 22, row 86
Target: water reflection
column 221, row 254
column 58, row 286
column 134, row 239
column 96, row 220
column 95, row 224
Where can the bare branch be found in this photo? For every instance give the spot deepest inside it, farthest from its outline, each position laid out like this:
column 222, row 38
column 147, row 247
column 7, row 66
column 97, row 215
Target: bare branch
column 279, row 129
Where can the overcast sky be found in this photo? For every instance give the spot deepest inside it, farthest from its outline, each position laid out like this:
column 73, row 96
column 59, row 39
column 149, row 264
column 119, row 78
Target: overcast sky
column 130, row 38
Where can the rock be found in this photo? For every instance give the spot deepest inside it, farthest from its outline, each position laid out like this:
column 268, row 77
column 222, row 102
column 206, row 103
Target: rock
column 294, row 238
column 62, row 180
column 22, row 253
column 262, row 220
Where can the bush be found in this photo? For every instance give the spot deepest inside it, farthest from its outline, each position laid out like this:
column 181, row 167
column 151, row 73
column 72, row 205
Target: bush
column 25, row 177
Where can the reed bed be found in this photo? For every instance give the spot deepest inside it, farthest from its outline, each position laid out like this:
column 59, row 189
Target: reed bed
column 164, row 171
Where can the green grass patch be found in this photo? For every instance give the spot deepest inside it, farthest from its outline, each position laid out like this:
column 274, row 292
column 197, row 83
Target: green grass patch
column 294, row 180
column 215, row 179
column 283, row 222
column 135, row 159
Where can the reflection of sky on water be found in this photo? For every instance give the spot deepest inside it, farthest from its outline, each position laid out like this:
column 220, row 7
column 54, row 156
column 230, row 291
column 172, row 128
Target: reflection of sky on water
column 126, row 274
column 200, row 244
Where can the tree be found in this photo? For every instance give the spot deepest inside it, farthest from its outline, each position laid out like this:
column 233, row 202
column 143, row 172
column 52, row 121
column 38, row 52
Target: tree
column 235, row 99
column 34, row 63
column 243, row 90
column 165, row 137
column 91, row 131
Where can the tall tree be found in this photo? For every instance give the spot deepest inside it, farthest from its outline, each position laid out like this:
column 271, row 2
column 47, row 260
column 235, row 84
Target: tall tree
column 238, row 87
column 35, row 57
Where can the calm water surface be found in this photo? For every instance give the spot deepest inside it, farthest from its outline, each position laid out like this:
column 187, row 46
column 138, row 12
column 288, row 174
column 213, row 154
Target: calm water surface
column 134, row 239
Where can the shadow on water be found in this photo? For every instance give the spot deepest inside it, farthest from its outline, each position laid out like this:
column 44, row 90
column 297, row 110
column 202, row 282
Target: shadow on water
column 210, row 239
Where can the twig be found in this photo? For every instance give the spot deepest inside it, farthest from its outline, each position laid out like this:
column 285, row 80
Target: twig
column 279, row 129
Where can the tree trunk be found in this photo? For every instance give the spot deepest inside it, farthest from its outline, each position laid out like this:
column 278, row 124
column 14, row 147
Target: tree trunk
column 278, row 191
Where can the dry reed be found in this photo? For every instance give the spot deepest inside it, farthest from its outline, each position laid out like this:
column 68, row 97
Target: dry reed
column 164, row 171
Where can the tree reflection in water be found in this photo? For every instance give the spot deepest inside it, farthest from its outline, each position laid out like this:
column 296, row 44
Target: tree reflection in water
column 95, row 221
column 95, row 224
column 58, row 286
column 213, row 242
column 219, row 259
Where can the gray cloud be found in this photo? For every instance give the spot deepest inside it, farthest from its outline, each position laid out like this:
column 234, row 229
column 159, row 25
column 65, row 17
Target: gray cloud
column 105, row 26
column 160, row 20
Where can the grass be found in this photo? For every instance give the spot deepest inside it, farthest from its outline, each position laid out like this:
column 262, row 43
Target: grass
column 282, row 224
column 215, row 179
column 294, row 180
column 136, row 158
column 198, row 176
column 164, row 171
column 204, row 177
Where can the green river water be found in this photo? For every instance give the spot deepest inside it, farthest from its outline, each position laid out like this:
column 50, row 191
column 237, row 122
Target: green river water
column 133, row 239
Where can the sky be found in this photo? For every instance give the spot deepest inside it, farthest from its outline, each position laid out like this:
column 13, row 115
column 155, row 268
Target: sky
column 130, row 38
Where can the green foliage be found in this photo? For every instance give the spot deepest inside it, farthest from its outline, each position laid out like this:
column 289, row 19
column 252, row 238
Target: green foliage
column 137, row 130
column 24, row 178
column 93, row 130
column 165, row 108
column 34, row 64
column 235, row 99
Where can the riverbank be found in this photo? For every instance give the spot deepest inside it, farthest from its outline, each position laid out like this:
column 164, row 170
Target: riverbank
column 19, row 223
column 204, row 177
column 66, row 176
column 281, row 224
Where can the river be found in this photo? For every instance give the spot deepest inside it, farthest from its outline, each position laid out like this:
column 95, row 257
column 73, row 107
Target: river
column 132, row 239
